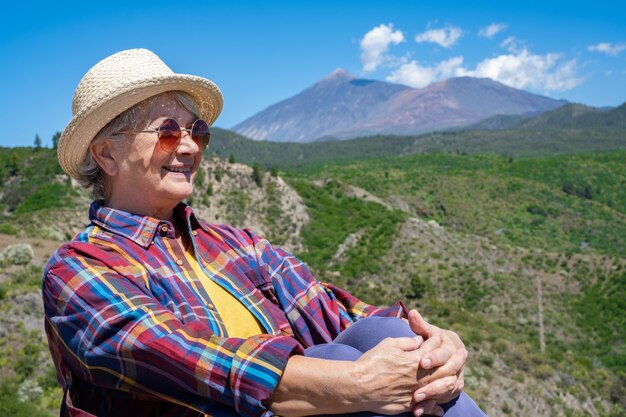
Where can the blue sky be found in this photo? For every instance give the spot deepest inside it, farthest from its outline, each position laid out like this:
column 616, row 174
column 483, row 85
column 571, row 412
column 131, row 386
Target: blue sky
column 263, row 52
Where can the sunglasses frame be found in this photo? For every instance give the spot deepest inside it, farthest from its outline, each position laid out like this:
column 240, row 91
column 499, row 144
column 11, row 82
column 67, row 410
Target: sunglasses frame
column 175, row 128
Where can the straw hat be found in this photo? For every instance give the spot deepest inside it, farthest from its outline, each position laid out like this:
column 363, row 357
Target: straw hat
column 117, row 83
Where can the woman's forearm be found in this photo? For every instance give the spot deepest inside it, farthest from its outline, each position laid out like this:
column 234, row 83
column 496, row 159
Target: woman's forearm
column 311, row 386
column 382, row 380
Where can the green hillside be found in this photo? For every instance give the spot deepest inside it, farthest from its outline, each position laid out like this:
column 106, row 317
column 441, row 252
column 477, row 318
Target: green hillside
column 543, row 139
column 525, row 257
column 30, row 180
column 33, row 184
column 562, row 203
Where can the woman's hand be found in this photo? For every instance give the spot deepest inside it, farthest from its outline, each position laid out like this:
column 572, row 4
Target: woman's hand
column 398, row 375
column 382, row 380
column 443, row 358
column 387, row 375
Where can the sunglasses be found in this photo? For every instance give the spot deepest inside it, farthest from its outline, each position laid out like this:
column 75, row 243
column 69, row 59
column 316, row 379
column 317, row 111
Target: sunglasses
column 170, row 134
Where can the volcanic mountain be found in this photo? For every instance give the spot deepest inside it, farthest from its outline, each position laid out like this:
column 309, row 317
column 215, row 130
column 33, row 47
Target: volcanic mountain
column 342, row 106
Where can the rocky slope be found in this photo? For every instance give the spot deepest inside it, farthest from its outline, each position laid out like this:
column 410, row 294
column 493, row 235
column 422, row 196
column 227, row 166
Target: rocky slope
column 228, row 193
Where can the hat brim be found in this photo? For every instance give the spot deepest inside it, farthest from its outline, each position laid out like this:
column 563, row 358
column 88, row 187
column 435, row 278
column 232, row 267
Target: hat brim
column 74, row 142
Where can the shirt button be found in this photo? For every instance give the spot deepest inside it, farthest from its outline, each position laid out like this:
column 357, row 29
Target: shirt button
column 194, row 233
column 164, row 228
column 179, row 262
column 211, row 307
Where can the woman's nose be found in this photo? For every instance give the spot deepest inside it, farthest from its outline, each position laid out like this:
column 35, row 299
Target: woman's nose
column 187, row 144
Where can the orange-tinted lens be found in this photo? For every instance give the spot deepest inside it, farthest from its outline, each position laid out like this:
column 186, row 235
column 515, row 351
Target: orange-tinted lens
column 169, row 135
column 200, row 133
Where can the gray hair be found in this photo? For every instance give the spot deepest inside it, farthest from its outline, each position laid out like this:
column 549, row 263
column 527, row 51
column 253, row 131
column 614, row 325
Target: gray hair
column 135, row 118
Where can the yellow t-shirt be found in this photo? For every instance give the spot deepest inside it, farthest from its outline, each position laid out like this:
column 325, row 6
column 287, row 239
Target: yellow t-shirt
column 238, row 320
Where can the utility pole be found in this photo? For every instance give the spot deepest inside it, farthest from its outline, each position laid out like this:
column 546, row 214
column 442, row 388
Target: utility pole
column 542, row 335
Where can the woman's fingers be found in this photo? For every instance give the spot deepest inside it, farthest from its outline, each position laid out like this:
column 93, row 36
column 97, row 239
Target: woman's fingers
column 435, row 351
column 428, row 407
column 445, row 391
column 442, row 390
column 447, row 360
column 460, row 384
column 452, row 368
column 402, row 343
column 419, row 325
column 444, row 352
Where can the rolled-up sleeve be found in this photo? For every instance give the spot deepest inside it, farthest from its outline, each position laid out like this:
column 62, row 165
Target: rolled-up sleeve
column 112, row 332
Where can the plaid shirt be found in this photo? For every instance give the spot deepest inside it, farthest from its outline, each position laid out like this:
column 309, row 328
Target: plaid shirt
column 133, row 332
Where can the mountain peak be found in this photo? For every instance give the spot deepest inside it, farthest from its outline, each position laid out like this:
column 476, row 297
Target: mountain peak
column 340, row 74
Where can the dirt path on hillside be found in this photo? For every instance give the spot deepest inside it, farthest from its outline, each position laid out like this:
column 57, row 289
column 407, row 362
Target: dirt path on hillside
column 43, row 248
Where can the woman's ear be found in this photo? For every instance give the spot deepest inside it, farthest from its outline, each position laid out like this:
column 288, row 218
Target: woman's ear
column 101, row 151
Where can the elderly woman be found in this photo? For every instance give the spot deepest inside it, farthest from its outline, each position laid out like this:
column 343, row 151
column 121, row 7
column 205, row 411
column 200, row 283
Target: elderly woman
column 153, row 312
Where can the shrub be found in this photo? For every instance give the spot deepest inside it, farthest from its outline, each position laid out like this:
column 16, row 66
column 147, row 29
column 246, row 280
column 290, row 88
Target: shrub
column 542, row 371
column 10, row 407
column 18, row 254
column 28, row 390
column 419, row 287
column 579, row 191
column 486, row 360
column 4, row 289
column 8, row 229
column 27, row 362
column 200, row 177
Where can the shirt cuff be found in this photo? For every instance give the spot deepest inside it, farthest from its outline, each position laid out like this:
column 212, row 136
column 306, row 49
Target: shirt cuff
column 257, row 367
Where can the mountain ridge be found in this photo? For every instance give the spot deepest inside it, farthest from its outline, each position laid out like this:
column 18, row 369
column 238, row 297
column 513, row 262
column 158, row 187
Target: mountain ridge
column 549, row 133
column 568, row 116
column 342, row 106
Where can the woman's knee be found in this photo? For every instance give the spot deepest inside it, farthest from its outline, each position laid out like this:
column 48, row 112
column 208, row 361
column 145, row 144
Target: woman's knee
column 368, row 332
column 333, row 351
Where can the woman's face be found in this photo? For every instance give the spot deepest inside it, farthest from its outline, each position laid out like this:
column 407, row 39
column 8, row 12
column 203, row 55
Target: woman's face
column 149, row 180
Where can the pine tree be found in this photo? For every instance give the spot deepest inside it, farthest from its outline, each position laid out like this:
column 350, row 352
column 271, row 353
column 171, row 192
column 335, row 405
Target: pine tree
column 37, row 141
column 55, row 139
column 257, row 176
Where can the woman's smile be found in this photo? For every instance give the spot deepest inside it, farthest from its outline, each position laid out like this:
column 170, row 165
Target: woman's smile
column 178, row 169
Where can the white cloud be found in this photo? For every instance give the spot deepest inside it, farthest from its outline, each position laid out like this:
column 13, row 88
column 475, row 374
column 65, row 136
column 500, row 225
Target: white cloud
column 376, row 43
column 527, row 70
column 607, row 48
column 512, row 44
column 491, row 30
column 519, row 70
column 445, row 37
column 415, row 75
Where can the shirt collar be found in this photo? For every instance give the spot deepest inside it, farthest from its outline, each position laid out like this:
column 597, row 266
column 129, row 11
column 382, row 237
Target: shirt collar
column 140, row 229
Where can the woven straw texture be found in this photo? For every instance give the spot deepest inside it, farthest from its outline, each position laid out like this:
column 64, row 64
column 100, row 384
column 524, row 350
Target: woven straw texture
column 117, row 83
